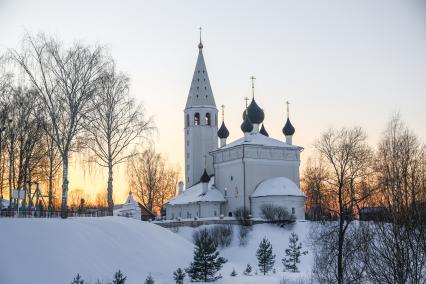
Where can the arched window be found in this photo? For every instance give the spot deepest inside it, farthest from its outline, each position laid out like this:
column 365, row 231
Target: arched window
column 215, row 120
column 197, row 119
column 208, row 119
column 187, row 120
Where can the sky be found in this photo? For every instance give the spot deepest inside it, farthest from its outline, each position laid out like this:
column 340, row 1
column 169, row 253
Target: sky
column 339, row 62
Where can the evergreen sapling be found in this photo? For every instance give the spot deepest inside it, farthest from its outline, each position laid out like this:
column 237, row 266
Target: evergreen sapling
column 78, row 280
column 248, row 270
column 149, row 279
column 178, row 276
column 119, row 278
column 293, row 253
column 233, row 273
column 265, row 257
column 207, row 261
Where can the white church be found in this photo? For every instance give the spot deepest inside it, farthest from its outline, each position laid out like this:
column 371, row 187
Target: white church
column 246, row 173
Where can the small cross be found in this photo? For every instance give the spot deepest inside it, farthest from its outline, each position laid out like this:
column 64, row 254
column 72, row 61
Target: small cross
column 246, row 99
column 223, row 112
column 252, row 78
column 200, row 33
column 288, row 108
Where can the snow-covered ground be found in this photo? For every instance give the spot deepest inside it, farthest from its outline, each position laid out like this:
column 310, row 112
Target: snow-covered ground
column 53, row 251
column 238, row 256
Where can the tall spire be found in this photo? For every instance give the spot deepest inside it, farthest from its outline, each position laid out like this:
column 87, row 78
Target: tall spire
column 200, row 92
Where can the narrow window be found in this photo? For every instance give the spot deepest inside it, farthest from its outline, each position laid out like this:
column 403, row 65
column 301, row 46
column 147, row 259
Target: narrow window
column 230, row 214
column 293, row 210
column 236, row 191
column 215, row 213
column 197, row 119
column 187, row 120
column 225, row 191
column 208, row 119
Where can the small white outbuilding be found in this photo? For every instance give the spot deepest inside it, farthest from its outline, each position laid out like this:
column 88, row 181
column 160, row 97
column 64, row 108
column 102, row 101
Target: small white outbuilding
column 278, row 191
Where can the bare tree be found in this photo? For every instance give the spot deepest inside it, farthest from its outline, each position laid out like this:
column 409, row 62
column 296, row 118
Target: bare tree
column 116, row 122
column 65, row 81
column 314, row 184
column 151, row 180
column 347, row 156
column 397, row 248
column 5, row 91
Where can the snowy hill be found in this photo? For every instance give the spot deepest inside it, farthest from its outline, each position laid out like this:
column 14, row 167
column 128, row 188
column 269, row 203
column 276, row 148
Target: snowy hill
column 238, row 257
column 53, row 251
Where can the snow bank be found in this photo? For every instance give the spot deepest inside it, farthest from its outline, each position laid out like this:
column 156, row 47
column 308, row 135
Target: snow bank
column 238, row 256
column 53, row 251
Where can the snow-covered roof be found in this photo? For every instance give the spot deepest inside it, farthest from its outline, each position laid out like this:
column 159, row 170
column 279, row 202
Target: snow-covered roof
column 277, row 186
column 260, row 139
column 195, row 194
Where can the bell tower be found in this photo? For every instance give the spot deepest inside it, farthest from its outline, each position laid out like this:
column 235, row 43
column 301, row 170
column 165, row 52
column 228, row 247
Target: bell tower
column 200, row 118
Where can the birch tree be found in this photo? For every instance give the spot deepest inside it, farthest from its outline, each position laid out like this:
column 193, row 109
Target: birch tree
column 65, row 81
column 348, row 157
column 114, row 124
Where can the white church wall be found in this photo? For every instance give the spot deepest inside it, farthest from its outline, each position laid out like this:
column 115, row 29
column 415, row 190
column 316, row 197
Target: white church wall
column 192, row 210
column 294, row 204
column 260, row 170
column 229, row 174
column 199, row 141
column 228, row 179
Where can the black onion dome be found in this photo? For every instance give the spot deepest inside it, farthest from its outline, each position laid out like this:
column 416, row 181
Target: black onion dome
column 223, row 131
column 263, row 131
column 246, row 126
column 255, row 113
column 205, row 178
column 288, row 128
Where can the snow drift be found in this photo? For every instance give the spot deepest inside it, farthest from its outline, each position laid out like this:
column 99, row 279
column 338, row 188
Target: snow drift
column 53, row 251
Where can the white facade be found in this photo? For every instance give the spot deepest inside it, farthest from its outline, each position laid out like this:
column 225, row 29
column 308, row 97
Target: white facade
column 196, row 202
column 129, row 209
column 238, row 168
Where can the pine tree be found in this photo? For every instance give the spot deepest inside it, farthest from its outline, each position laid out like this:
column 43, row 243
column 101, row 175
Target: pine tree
column 265, row 257
column 293, row 253
column 206, row 259
column 248, row 270
column 78, row 280
column 119, row 278
column 178, row 276
column 233, row 273
column 149, row 279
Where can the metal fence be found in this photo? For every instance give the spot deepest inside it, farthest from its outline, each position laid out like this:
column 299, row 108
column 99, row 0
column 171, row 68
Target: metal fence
column 6, row 213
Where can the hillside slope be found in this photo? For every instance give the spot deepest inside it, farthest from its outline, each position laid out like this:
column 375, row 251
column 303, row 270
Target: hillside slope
column 53, row 251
